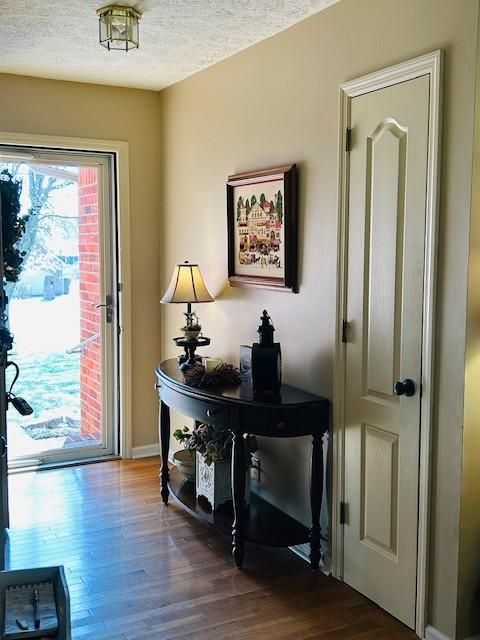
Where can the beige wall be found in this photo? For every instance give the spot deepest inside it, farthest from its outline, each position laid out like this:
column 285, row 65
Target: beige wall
column 277, row 102
column 469, row 557
column 274, row 103
column 31, row 105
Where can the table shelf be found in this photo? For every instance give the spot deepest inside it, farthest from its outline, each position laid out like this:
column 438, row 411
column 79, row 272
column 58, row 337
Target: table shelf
column 264, row 523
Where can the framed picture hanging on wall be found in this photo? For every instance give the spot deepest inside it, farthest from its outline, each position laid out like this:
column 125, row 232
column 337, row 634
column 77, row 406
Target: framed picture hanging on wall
column 262, row 228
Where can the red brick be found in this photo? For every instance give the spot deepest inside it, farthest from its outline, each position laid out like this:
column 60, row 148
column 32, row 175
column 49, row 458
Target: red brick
column 89, row 267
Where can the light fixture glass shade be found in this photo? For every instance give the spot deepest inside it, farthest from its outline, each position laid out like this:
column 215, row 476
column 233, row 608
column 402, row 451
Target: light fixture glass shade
column 186, row 285
column 118, row 27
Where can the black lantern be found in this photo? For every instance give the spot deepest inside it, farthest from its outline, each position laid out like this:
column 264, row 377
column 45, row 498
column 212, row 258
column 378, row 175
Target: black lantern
column 266, row 361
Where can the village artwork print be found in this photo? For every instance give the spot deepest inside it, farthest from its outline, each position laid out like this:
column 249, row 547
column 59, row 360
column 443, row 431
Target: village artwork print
column 262, row 228
column 259, row 229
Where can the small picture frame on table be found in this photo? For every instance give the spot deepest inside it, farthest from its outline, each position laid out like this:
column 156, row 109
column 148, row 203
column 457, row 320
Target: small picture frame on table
column 262, row 214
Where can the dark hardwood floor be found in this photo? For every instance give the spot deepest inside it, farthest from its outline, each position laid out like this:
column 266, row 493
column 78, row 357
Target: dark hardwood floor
column 139, row 569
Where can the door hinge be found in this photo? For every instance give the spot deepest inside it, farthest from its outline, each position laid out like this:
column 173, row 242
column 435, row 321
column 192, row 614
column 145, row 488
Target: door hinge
column 348, row 139
column 344, row 330
column 342, row 512
column 120, row 287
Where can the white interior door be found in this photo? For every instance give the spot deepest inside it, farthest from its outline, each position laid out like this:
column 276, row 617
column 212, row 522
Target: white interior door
column 385, row 255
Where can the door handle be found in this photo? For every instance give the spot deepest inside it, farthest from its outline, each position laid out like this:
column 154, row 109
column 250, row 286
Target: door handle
column 108, row 305
column 3, row 446
column 404, row 388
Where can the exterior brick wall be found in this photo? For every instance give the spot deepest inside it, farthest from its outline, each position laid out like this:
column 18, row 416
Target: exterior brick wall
column 89, row 264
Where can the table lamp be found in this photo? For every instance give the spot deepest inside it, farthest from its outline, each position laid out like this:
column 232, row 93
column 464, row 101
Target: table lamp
column 187, row 286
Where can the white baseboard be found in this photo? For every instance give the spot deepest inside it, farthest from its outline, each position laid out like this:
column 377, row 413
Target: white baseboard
column 433, row 634
column 146, row 451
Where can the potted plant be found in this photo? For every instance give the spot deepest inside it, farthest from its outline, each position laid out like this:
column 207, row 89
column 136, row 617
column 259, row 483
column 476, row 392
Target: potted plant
column 13, row 228
column 13, row 225
column 184, row 460
column 191, row 331
column 212, row 446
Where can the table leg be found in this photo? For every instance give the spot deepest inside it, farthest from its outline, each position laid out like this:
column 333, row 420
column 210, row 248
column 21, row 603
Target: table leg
column 238, row 494
column 165, row 444
column 316, row 494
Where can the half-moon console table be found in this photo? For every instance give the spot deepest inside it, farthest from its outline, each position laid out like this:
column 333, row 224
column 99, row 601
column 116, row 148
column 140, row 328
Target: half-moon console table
column 295, row 413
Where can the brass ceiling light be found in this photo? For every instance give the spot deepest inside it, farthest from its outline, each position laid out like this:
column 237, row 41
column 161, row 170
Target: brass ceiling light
column 118, row 27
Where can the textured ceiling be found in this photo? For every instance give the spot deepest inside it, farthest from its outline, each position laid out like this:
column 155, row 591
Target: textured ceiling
column 59, row 38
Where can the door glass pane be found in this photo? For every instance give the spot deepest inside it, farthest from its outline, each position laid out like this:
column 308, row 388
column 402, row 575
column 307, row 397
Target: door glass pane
column 57, row 329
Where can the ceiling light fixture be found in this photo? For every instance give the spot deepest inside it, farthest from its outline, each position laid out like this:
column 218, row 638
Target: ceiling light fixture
column 118, row 27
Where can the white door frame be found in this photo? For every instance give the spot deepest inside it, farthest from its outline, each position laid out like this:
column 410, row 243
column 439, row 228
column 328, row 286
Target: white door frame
column 431, row 65
column 120, row 151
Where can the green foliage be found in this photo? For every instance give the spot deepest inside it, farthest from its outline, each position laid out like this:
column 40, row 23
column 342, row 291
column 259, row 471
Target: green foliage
column 279, row 202
column 181, row 434
column 253, row 201
column 247, row 206
column 213, row 442
column 240, row 204
column 13, row 225
column 193, row 327
column 279, row 205
column 262, row 199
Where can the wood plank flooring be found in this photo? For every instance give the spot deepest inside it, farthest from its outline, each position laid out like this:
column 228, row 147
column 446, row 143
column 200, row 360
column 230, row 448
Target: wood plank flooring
column 139, row 569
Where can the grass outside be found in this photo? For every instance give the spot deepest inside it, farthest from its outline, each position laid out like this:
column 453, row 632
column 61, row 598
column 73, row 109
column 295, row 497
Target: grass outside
column 49, row 377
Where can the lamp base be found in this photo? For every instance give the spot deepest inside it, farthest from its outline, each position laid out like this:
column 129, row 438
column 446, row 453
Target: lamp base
column 189, row 359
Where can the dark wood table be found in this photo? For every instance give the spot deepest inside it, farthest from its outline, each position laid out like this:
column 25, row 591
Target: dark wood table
column 296, row 413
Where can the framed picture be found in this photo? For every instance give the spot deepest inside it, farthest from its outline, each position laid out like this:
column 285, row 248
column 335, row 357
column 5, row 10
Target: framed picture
column 262, row 228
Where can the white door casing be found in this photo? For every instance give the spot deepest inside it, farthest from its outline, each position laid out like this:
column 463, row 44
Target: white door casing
column 390, row 310
column 387, row 195
column 120, row 151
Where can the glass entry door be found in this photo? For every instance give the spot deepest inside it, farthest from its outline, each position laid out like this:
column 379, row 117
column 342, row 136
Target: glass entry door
column 62, row 309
